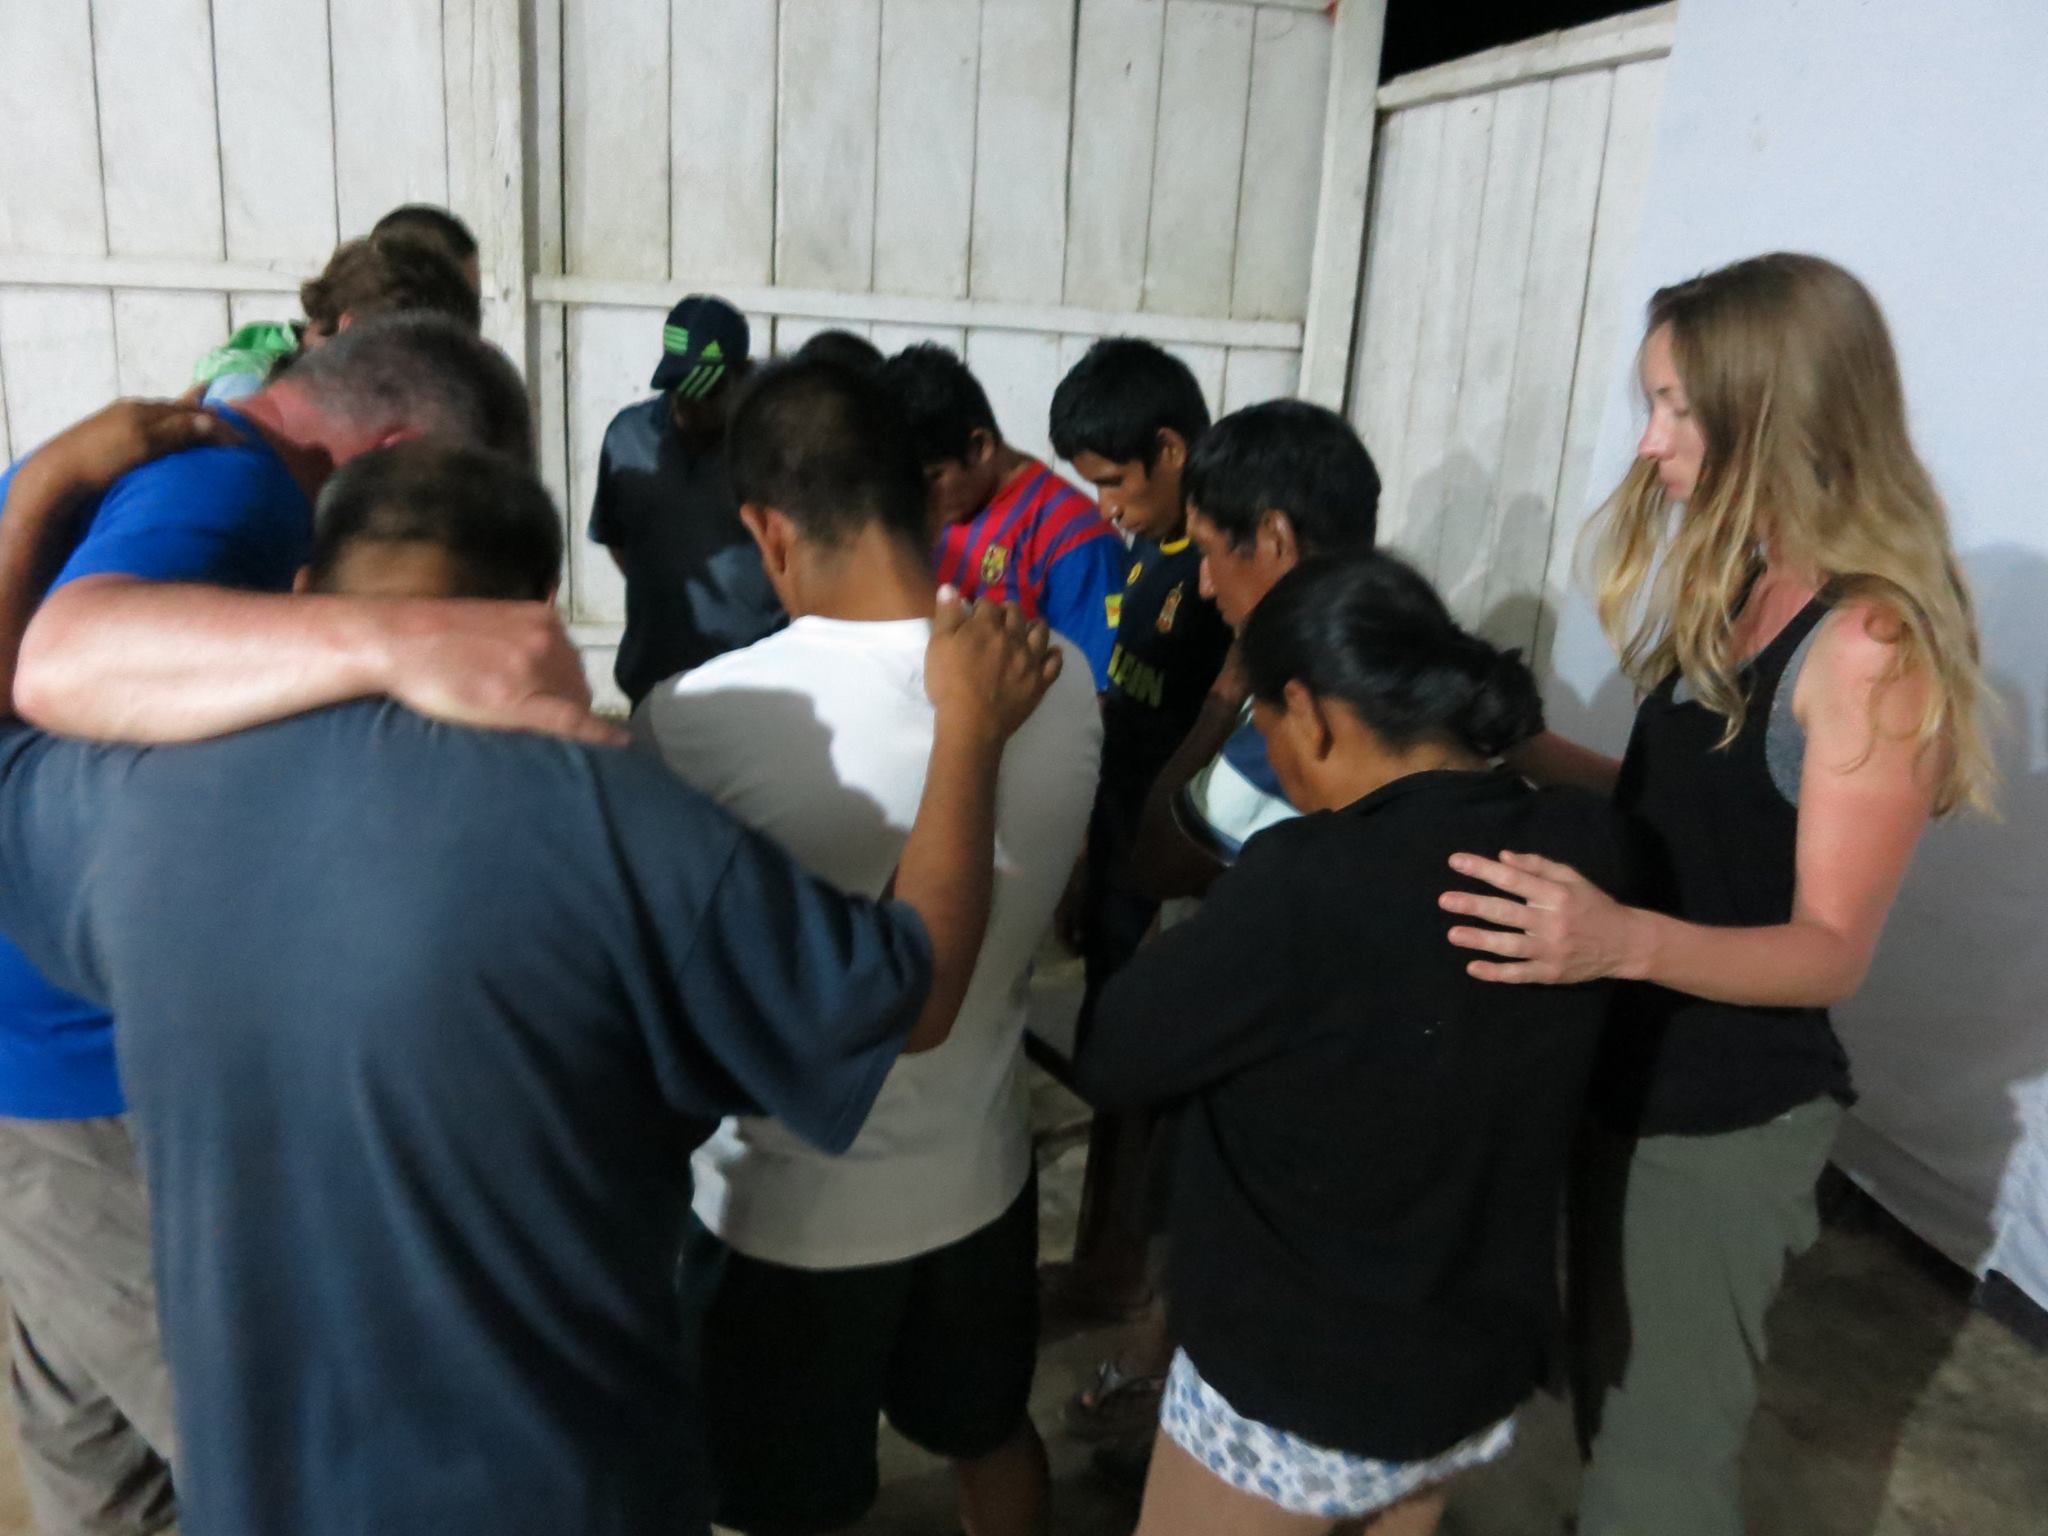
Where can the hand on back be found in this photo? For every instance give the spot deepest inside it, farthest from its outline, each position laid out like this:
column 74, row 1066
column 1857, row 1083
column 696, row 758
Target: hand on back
column 92, row 454
column 987, row 666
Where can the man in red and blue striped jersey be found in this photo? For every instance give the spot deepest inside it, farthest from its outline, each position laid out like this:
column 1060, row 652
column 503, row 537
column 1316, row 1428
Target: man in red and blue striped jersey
column 1005, row 526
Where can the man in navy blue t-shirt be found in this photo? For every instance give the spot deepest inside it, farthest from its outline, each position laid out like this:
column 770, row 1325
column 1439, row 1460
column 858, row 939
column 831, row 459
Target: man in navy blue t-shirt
column 420, row 1024
column 173, row 540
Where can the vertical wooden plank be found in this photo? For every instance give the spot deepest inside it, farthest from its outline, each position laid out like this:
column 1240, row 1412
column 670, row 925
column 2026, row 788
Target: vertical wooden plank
column 1283, row 156
column 276, row 129
column 1507, row 219
column 548, row 363
column 1605, row 356
column 1020, row 157
column 1020, row 370
column 390, row 108
column 1254, row 374
column 1396, row 278
column 924, row 152
column 1206, row 364
column 825, row 144
column 1539, row 409
column 611, row 353
column 6, row 434
column 159, row 336
column 722, row 124
column 894, row 338
column 615, row 156
column 49, row 148
column 1349, row 121
column 1432, row 474
column 57, row 346
column 1204, row 87
column 485, row 69
column 157, row 132
column 1109, row 187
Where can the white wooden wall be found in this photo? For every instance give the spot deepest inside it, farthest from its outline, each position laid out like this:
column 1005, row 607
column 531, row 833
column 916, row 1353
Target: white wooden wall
column 1011, row 178
column 174, row 168
column 1507, row 195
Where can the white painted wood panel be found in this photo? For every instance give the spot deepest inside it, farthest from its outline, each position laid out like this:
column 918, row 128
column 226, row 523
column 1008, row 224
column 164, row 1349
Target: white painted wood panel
column 1283, row 151
column 6, row 437
column 825, row 146
column 615, row 154
column 1255, row 374
column 611, row 352
column 548, row 363
column 722, row 124
column 1019, row 371
column 158, row 144
column 57, row 349
column 894, row 338
column 1398, row 264
column 248, row 308
column 924, row 153
column 484, row 67
column 1608, row 321
column 49, row 147
column 1204, row 89
column 159, row 336
column 1546, row 355
column 1486, row 372
column 390, row 108
column 1109, row 188
column 1336, row 266
column 1020, row 157
column 276, row 129
column 792, row 331
column 1428, row 474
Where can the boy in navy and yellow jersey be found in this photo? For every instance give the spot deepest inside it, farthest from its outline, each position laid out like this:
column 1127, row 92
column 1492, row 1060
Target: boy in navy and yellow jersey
column 1005, row 526
column 1126, row 418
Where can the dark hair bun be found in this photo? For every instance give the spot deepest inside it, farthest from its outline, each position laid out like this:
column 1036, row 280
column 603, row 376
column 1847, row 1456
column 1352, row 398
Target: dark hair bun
column 1505, row 707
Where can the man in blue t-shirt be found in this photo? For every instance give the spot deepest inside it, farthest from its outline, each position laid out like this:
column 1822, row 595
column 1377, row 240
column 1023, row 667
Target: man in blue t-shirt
column 177, row 545
column 420, row 1024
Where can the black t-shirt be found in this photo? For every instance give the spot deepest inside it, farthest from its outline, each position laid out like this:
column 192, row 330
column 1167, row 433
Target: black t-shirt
column 1372, row 1144
column 419, row 1027
column 1170, row 643
column 1716, row 842
column 695, row 588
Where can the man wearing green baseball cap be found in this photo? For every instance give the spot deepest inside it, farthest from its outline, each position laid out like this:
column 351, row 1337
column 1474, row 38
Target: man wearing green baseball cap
column 665, row 507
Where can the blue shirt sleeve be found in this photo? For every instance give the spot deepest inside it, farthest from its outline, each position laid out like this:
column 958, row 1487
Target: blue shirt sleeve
column 228, row 516
column 1082, row 585
column 48, row 788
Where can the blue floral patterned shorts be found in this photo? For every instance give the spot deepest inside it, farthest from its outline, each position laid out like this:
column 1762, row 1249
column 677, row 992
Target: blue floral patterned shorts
column 1302, row 1478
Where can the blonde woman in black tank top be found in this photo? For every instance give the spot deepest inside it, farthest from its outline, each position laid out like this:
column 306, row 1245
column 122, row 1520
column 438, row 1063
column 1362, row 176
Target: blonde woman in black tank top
column 1776, row 512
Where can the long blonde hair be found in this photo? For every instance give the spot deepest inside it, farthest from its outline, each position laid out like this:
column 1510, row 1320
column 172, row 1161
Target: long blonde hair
column 1789, row 370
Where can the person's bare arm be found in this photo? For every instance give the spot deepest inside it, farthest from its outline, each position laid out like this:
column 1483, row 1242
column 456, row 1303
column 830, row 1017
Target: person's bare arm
column 1551, row 759
column 119, row 659
column 985, row 673
column 1864, row 799
column 1164, row 862
column 37, row 524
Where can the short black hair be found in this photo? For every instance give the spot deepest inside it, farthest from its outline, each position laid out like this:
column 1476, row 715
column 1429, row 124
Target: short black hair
column 491, row 515
column 423, row 373
column 942, row 403
column 1366, row 630
column 388, row 277
column 1287, row 456
column 1115, row 401
column 849, row 349
column 430, row 224
column 825, row 445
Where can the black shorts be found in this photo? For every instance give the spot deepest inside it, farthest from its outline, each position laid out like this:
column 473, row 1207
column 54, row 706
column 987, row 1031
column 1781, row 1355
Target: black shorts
column 798, row 1365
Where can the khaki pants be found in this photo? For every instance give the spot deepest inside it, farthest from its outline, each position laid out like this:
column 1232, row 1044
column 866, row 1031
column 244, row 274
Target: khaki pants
column 91, row 1391
column 1678, row 1247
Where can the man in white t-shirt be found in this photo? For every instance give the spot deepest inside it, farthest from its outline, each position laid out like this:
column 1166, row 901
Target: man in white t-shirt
column 899, row 1276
